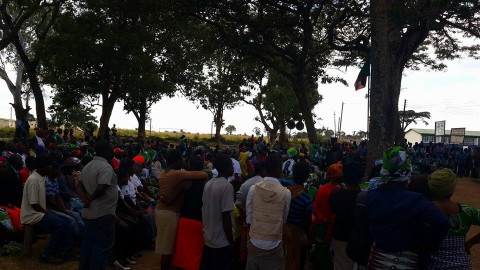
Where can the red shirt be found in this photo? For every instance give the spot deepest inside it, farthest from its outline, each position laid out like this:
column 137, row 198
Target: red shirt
column 115, row 163
column 321, row 208
column 24, row 174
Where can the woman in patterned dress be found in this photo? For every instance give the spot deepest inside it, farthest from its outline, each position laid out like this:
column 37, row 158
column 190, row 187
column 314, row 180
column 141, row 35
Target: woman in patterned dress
column 452, row 253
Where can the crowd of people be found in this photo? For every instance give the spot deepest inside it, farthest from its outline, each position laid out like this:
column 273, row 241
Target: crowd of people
column 254, row 205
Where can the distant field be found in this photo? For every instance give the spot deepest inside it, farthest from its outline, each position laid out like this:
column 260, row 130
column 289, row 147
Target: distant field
column 7, row 134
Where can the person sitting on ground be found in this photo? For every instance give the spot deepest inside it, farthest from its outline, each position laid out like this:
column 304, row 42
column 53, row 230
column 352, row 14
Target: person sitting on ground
column 454, row 249
column 34, row 212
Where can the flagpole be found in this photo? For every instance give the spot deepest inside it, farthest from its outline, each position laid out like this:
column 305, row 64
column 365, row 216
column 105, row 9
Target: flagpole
column 368, row 102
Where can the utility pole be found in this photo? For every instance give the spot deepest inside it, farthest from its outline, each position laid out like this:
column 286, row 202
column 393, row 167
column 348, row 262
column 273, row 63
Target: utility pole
column 334, row 124
column 340, row 124
column 403, row 118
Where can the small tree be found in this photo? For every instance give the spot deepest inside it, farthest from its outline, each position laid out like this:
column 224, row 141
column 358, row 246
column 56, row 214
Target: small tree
column 411, row 116
column 230, row 129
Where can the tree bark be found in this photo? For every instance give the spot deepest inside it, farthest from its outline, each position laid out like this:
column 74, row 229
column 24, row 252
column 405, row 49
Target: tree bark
column 21, row 112
column 142, row 118
column 386, row 76
column 272, row 135
column 218, row 119
column 31, row 68
column 282, row 138
column 108, row 102
column 300, row 93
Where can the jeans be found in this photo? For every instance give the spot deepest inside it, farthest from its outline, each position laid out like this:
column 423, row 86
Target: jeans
column 98, row 240
column 76, row 223
column 61, row 239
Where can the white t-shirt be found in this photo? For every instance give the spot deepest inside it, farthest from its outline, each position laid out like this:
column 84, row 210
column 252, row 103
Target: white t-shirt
column 287, row 167
column 217, row 198
column 33, row 193
column 236, row 170
column 129, row 190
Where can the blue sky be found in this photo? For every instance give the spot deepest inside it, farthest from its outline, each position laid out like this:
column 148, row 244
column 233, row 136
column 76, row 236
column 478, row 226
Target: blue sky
column 452, row 95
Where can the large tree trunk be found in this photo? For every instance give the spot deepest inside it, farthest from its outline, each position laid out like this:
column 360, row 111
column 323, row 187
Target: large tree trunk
column 21, row 113
column 218, row 119
column 31, row 69
column 283, row 138
column 300, row 93
column 142, row 118
column 386, row 78
column 108, row 102
column 272, row 135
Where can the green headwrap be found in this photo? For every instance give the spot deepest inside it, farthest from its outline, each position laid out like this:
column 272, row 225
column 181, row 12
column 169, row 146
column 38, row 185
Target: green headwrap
column 396, row 167
column 442, row 183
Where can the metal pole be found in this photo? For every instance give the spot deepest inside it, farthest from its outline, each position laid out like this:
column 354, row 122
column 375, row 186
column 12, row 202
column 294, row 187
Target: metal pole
column 335, row 124
column 150, row 127
column 368, row 107
column 403, row 118
column 341, row 121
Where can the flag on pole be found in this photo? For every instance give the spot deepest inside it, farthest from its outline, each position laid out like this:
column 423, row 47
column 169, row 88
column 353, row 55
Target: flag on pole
column 361, row 81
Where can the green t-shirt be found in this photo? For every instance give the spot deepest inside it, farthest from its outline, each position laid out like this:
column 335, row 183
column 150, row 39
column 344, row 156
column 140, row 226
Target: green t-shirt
column 461, row 222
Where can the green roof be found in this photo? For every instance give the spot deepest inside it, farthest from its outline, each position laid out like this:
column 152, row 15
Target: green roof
column 425, row 131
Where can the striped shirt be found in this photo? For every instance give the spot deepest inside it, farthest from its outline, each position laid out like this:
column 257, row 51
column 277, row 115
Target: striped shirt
column 51, row 187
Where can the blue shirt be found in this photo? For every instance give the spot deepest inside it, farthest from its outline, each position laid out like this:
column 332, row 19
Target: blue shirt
column 51, row 187
column 401, row 220
column 300, row 206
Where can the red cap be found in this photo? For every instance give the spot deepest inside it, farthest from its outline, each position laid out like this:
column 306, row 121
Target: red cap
column 117, row 150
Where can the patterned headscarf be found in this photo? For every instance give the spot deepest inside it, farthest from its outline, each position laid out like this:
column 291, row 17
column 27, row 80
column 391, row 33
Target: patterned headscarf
column 396, row 167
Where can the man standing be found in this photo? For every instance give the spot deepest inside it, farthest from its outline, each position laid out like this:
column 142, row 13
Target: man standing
column 268, row 203
column 217, row 218
column 100, row 184
column 33, row 212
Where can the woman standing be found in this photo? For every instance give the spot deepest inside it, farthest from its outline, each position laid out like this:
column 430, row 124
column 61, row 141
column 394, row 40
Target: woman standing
column 452, row 253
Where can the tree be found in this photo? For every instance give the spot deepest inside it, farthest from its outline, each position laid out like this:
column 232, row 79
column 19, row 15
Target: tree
column 287, row 36
column 410, row 116
column 404, row 34
column 415, row 24
column 65, row 110
column 25, row 25
column 276, row 103
column 221, row 89
column 21, row 111
column 12, row 23
column 230, row 129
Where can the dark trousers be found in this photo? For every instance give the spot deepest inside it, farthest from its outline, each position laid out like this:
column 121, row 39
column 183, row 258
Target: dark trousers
column 218, row 258
column 98, row 240
column 61, row 238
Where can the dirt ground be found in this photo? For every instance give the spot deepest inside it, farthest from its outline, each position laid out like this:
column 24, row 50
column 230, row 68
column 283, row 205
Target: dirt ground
column 468, row 192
